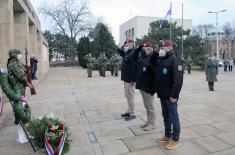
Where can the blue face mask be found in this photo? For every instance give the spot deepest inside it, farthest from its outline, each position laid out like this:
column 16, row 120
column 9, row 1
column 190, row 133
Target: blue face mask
column 126, row 49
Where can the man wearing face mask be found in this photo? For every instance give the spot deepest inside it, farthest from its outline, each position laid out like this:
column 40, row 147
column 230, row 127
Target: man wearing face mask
column 211, row 70
column 128, row 72
column 144, row 82
column 168, row 81
column 18, row 71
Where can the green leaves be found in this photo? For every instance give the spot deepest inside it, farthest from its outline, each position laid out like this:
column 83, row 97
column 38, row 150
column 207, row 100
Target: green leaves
column 192, row 44
column 99, row 40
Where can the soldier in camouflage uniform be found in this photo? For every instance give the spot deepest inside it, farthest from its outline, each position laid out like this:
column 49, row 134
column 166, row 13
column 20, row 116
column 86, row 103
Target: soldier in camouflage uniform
column 17, row 70
column 90, row 61
column 115, row 61
column 99, row 63
column 103, row 63
column 111, row 64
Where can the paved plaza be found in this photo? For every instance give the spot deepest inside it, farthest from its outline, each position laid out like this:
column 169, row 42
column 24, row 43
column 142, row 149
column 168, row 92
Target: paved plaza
column 91, row 108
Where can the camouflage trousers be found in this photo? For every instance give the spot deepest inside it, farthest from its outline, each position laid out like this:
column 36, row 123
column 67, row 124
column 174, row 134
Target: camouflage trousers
column 115, row 70
column 103, row 70
column 22, row 89
column 89, row 72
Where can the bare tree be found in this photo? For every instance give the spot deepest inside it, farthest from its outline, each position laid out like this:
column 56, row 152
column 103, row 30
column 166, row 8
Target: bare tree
column 69, row 18
column 202, row 30
column 228, row 29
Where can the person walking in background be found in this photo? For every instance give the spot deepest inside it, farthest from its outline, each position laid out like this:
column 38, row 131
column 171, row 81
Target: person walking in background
column 231, row 63
column 226, row 65
column 211, row 71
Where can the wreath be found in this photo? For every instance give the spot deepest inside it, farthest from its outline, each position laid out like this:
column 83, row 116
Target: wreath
column 12, row 91
column 51, row 134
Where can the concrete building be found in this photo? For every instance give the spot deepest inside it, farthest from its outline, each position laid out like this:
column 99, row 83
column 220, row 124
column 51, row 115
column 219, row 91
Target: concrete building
column 20, row 28
column 138, row 26
column 226, row 44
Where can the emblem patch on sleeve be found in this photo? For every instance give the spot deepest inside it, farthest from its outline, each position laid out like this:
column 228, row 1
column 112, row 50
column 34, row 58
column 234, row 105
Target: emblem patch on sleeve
column 180, row 68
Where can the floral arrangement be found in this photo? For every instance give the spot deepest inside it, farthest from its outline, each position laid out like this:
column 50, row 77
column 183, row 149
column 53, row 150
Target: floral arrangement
column 51, row 134
column 12, row 91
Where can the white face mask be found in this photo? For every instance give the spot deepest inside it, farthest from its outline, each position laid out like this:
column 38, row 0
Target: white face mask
column 126, row 49
column 162, row 53
column 19, row 56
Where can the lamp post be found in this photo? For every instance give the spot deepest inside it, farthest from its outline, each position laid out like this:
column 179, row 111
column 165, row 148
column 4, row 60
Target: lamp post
column 217, row 29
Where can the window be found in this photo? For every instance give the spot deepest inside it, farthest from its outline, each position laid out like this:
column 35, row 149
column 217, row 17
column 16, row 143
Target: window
column 129, row 33
column 133, row 33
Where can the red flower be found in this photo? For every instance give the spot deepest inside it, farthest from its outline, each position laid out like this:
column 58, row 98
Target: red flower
column 56, row 153
column 49, row 141
column 61, row 126
column 58, row 141
column 49, row 126
column 55, row 131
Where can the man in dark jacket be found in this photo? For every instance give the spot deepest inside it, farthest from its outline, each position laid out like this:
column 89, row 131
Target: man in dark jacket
column 144, row 82
column 211, row 71
column 33, row 67
column 168, row 81
column 128, row 72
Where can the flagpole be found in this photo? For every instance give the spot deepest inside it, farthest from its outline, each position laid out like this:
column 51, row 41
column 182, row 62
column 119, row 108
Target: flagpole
column 170, row 23
column 182, row 30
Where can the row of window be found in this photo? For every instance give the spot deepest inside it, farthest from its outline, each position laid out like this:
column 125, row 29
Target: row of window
column 214, row 33
column 130, row 33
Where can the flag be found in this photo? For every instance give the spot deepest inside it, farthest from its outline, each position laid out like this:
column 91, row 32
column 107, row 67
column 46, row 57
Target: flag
column 1, row 101
column 167, row 17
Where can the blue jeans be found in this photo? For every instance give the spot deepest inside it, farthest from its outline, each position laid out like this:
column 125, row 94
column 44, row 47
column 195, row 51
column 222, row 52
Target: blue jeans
column 171, row 119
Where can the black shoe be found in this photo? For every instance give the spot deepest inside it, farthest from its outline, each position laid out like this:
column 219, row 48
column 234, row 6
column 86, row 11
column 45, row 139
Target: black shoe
column 130, row 117
column 125, row 115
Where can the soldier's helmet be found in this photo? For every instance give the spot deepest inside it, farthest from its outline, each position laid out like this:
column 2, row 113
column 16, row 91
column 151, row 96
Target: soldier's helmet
column 14, row 52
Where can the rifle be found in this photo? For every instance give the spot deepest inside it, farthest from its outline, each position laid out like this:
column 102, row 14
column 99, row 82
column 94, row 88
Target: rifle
column 32, row 90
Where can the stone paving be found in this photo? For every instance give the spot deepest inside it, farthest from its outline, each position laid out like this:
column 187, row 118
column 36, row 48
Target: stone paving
column 94, row 106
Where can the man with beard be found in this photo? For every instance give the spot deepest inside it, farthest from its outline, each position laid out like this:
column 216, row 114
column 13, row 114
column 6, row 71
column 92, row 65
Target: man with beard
column 168, row 81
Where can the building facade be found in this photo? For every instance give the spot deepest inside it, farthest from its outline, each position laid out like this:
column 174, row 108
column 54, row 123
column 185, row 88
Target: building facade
column 226, row 44
column 139, row 26
column 19, row 29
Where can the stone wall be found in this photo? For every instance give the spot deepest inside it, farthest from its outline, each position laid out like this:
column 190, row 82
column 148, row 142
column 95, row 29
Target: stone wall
column 20, row 29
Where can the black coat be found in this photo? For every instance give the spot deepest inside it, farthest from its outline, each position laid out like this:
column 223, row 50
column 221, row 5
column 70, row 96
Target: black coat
column 144, row 75
column 128, row 68
column 168, row 75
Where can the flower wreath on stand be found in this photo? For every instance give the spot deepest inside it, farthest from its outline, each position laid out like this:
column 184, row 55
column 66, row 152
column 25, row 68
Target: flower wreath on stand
column 47, row 132
column 51, row 134
column 12, row 91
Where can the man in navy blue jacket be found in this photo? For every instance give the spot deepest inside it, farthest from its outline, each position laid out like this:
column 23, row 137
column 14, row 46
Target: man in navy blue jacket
column 168, row 81
column 144, row 82
column 128, row 74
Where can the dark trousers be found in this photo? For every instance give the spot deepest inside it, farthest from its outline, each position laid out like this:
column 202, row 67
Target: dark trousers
column 230, row 68
column 189, row 69
column 225, row 68
column 211, row 86
column 171, row 119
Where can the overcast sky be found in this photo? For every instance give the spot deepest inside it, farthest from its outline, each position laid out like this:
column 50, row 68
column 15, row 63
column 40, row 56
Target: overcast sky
column 116, row 12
